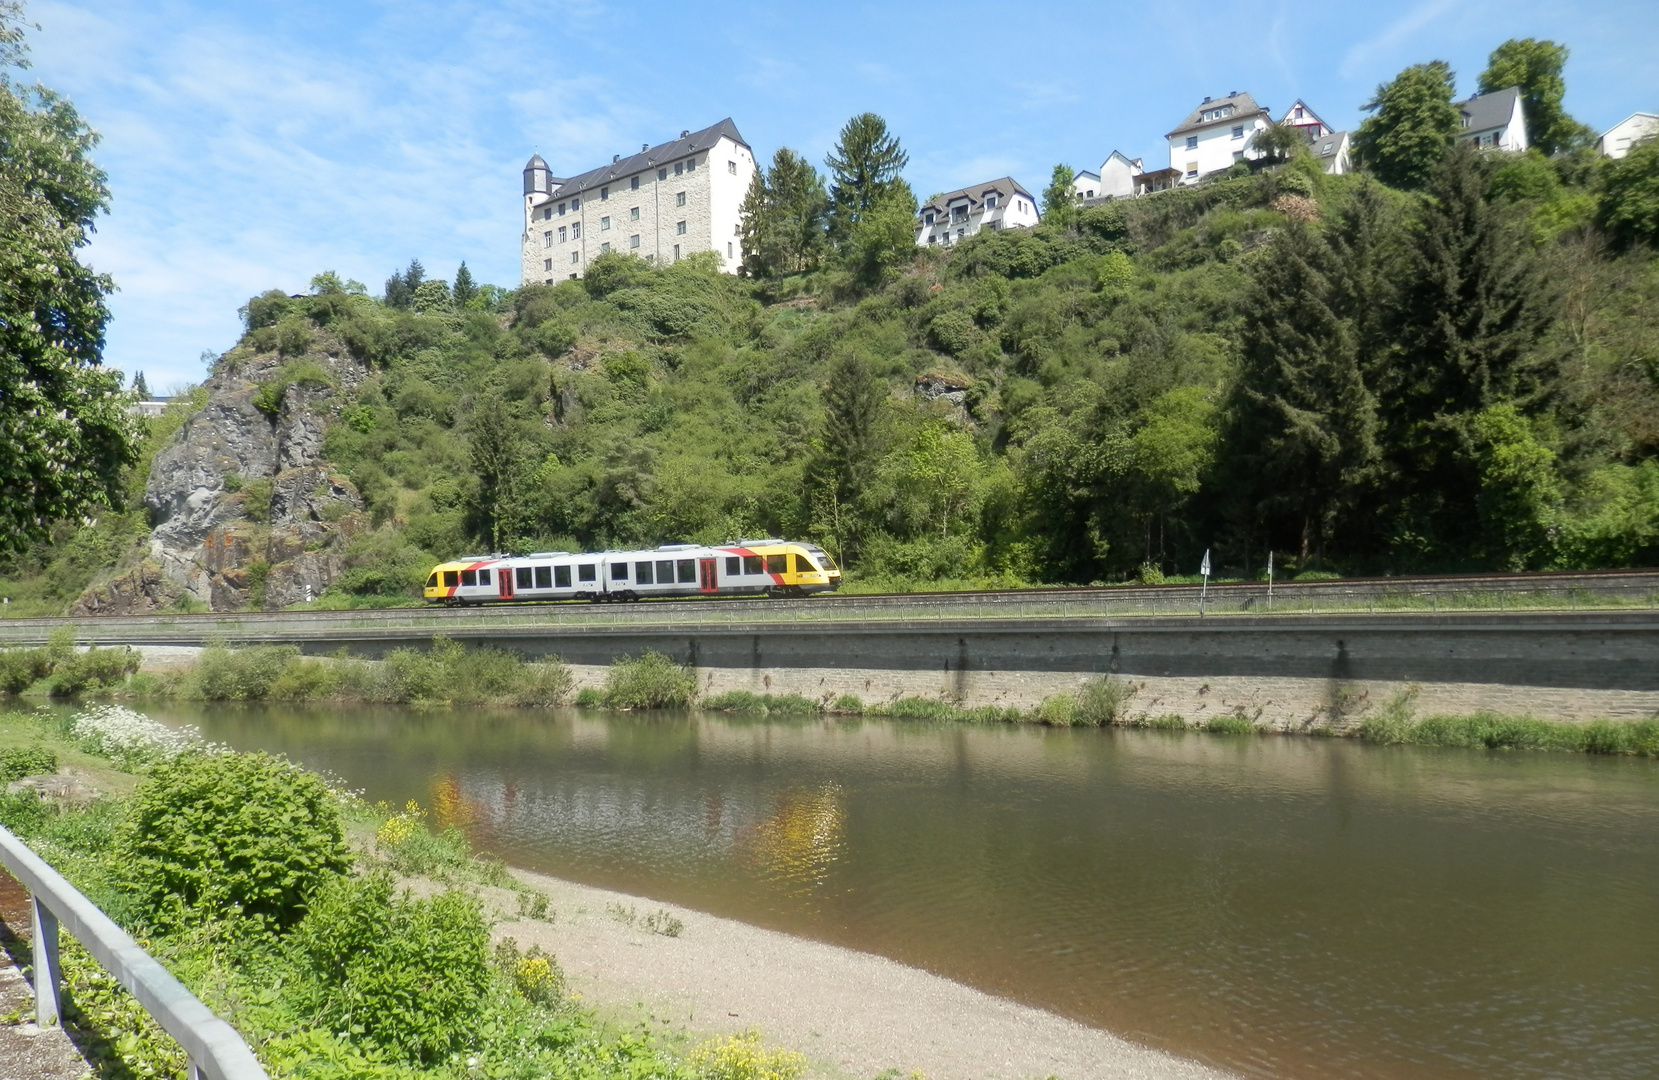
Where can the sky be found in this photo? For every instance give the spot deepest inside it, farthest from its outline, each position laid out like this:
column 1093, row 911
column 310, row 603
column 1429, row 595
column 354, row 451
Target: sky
column 251, row 145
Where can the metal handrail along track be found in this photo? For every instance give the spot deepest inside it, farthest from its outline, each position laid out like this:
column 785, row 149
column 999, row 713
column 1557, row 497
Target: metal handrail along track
column 214, row 1049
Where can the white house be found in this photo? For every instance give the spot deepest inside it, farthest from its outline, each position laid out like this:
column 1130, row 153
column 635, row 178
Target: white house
column 1215, row 135
column 956, row 215
column 1617, row 140
column 1494, row 120
column 1334, row 152
column 1085, row 185
column 1305, row 120
column 663, row 203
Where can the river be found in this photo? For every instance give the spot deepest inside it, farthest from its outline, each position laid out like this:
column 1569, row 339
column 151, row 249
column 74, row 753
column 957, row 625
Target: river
column 1280, row 906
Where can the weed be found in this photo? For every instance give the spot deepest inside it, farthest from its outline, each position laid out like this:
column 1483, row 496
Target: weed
column 1234, row 723
column 649, row 681
column 848, row 704
column 742, row 1057
column 533, row 904
column 743, row 701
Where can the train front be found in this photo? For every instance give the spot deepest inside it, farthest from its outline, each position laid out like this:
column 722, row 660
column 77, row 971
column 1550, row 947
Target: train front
column 827, row 578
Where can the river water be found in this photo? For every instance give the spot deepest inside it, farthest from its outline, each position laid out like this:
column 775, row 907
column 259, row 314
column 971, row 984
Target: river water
column 1280, row 906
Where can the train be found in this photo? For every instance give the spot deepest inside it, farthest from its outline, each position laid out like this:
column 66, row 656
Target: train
column 771, row 567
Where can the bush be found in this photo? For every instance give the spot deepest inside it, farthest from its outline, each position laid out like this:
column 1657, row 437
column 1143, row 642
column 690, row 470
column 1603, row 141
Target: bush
column 209, row 834
column 240, row 674
column 22, row 668
column 92, row 669
column 16, row 762
column 649, row 681
column 742, row 1057
column 411, row 975
column 1100, row 701
column 742, row 701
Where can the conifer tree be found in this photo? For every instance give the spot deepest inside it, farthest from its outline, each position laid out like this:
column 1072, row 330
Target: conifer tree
column 465, row 287
column 1059, row 200
column 1535, row 66
column 1305, row 423
column 140, row 387
column 864, row 166
column 1413, row 123
column 401, row 286
column 784, row 216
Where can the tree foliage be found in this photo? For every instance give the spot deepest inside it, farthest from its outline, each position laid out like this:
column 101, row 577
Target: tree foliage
column 1413, row 121
column 865, row 167
column 1535, row 66
column 1059, row 200
column 784, row 217
column 63, row 417
column 1629, row 207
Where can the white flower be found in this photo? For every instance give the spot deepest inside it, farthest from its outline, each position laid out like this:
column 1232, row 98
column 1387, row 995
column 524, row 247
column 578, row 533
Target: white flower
column 120, row 733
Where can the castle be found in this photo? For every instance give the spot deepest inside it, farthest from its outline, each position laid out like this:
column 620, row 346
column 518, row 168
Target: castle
column 662, row 204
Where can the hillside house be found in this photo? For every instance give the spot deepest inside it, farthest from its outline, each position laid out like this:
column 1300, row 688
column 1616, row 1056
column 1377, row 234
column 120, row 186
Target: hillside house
column 1494, row 121
column 1334, row 152
column 1148, row 183
column 1305, row 120
column 1085, row 186
column 1215, row 135
column 662, row 204
column 956, row 215
column 1617, row 140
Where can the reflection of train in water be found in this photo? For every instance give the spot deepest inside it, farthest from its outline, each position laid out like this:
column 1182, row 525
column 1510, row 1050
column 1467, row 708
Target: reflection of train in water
column 746, row 568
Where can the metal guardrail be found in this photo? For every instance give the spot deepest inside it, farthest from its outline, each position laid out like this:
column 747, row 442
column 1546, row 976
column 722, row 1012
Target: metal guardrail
column 214, row 1050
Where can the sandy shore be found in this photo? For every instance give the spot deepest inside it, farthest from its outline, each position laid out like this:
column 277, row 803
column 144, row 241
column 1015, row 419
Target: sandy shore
column 851, row 1013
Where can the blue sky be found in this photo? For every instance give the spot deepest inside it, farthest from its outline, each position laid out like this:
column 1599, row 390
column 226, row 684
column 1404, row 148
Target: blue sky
column 250, row 145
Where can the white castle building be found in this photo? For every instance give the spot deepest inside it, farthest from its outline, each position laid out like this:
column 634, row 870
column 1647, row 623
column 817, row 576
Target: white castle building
column 662, row 204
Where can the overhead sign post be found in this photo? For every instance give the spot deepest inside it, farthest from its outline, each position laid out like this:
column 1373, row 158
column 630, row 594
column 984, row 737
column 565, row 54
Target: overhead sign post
column 1204, row 591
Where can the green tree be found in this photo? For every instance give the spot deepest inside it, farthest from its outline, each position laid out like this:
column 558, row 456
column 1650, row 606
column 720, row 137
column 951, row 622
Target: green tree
column 465, row 287
column 784, row 216
column 1413, row 121
column 401, row 286
column 884, row 238
column 1535, row 66
column 1170, row 450
column 140, row 387
column 63, row 419
column 864, row 167
column 1059, row 200
column 1304, row 423
column 1629, row 207
column 855, row 404
column 1278, row 142
column 497, row 450
column 1520, row 494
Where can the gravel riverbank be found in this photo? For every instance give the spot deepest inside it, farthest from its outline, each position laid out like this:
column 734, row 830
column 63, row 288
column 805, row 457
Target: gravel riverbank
column 852, row 1013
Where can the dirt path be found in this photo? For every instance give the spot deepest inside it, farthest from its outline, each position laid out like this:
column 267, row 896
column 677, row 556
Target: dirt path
column 26, row 1051
column 852, row 1013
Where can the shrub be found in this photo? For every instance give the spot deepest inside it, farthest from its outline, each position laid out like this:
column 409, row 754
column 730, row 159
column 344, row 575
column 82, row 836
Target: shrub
column 536, row 975
column 649, row 681
column 410, row 974
column 918, row 708
column 743, row 701
column 16, row 762
column 742, row 1057
column 92, row 669
column 847, row 703
column 208, row 833
column 240, row 674
column 22, row 668
column 1100, row 701
column 1230, row 724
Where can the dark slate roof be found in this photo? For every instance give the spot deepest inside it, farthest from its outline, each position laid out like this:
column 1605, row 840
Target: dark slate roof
column 535, row 162
column 1486, row 111
column 654, row 157
column 1334, row 141
column 1244, row 107
column 1007, row 185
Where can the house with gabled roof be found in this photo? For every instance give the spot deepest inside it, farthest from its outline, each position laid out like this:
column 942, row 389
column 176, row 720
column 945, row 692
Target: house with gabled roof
column 1301, row 117
column 1085, row 186
column 1215, row 135
column 951, row 218
column 662, row 204
column 1617, row 140
column 1494, row 121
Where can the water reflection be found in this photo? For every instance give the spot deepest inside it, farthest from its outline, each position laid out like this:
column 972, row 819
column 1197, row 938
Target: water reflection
column 1282, row 906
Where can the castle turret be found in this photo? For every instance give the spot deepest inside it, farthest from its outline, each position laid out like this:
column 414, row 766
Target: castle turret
column 538, row 179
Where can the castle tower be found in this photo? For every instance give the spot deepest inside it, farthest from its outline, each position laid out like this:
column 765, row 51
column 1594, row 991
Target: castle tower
column 537, row 177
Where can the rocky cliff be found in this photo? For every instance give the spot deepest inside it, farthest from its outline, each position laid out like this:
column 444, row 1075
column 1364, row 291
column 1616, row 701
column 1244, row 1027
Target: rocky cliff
column 245, row 511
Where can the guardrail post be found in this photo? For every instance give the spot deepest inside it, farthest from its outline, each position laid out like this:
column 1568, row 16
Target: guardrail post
column 48, row 968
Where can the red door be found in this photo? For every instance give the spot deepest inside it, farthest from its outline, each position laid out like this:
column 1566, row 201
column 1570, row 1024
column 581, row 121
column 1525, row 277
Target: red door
column 706, row 579
column 504, row 574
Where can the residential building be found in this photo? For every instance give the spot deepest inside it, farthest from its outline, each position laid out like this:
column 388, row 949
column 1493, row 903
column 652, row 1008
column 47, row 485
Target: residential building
column 1303, row 118
column 1334, row 152
column 1215, row 135
column 1085, row 186
column 1117, row 176
column 1617, row 140
column 1494, row 121
column 1148, row 183
column 956, row 215
column 662, row 204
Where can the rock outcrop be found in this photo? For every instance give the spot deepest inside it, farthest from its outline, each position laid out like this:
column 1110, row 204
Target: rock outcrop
column 244, row 509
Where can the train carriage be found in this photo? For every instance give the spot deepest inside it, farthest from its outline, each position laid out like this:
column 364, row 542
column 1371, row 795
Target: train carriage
column 769, row 567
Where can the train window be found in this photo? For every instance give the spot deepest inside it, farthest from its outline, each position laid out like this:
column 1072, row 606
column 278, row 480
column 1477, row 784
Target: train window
column 544, row 577
column 688, row 571
column 483, row 577
column 665, row 571
column 432, row 582
column 561, row 577
column 469, row 577
column 586, row 572
column 451, row 579
column 824, row 557
column 803, row 565
column 754, row 564
column 619, row 571
column 642, row 574
column 777, row 564
column 734, row 565
column 523, row 574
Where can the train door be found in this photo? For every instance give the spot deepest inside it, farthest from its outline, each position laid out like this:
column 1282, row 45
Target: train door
column 504, row 575
column 707, row 579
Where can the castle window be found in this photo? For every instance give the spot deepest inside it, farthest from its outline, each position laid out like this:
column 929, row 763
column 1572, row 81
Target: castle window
column 546, row 264
column 576, row 231
column 575, row 205
column 574, row 257
column 633, row 184
column 731, row 167
column 679, row 167
column 547, row 214
column 604, row 223
column 679, row 198
column 633, row 213
column 676, row 253
column 633, row 241
column 561, row 209
column 605, row 248
column 547, row 238
column 604, row 193
column 691, row 166
column 679, row 228
column 662, row 174
column 728, row 249
column 572, row 277
column 561, row 234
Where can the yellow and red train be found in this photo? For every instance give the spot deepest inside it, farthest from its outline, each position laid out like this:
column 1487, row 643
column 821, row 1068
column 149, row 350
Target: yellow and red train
column 747, row 568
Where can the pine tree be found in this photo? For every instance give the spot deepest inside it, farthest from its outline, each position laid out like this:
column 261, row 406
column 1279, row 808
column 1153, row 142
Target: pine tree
column 1305, row 425
column 864, row 165
column 497, row 461
column 783, row 217
column 1365, row 275
column 140, row 387
column 1414, row 122
column 1059, row 200
column 465, row 288
column 1535, row 66
column 401, row 286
